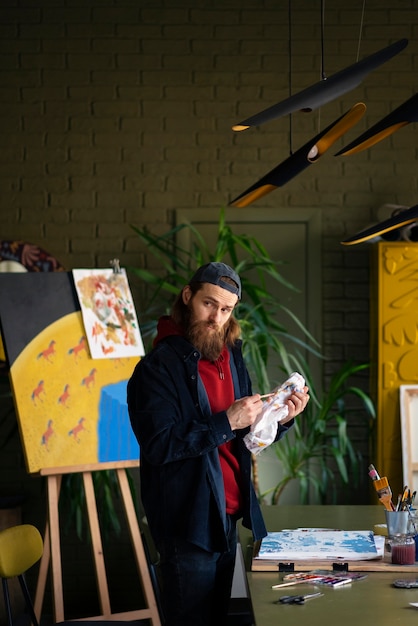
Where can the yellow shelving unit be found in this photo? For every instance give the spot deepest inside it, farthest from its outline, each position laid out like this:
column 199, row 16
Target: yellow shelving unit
column 394, row 347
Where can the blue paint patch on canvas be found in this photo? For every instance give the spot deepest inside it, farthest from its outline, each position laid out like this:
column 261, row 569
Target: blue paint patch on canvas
column 302, row 544
column 116, row 440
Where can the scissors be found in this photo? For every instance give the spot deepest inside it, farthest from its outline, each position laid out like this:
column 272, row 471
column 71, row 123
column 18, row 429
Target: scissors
column 297, row 599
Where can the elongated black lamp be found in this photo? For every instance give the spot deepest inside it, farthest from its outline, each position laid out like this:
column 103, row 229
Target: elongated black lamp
column 401, row 219
column 400, row 117
column 325, row 90
column 302, row 158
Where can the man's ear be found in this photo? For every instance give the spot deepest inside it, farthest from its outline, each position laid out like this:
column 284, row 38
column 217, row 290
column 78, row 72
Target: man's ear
column 186, row 294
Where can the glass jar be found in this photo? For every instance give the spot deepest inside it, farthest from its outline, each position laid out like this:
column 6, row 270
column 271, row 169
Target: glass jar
column 413, row 522
column 413, row 528
column 403, row 550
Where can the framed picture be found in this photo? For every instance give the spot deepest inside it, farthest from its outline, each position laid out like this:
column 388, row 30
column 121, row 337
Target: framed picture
column 409, row 434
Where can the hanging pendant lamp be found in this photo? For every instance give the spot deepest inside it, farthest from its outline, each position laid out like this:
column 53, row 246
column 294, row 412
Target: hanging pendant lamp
column 400, row 117
column 326, row 90
column 401, row 219
column 300, row 160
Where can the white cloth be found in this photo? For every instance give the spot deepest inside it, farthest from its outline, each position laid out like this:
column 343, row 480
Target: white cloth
column 263, row 431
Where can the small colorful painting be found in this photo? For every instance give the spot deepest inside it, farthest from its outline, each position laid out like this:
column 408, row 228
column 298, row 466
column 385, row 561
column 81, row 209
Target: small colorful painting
column 302, row 544
column 71, row 407
column 109, row 316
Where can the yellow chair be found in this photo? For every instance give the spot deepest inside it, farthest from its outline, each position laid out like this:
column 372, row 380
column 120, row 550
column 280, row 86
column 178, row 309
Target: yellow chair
column 20, row 547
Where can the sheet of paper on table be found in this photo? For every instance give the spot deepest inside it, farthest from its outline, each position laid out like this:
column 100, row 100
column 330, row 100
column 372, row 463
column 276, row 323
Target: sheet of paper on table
column 317, row 543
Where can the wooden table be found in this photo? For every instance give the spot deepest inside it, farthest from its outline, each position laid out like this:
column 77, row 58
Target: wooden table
column 372, row 601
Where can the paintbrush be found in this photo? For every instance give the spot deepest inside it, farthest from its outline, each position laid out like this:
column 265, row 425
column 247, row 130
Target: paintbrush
column 308, row 579
column 384, row 493
column 373, row 473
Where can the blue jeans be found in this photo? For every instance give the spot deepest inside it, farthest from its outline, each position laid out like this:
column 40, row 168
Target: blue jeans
column 196, row 584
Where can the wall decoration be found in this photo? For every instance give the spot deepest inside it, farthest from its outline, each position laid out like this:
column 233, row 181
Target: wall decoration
column 71, row 408
column 109, row 316
column 29, row 257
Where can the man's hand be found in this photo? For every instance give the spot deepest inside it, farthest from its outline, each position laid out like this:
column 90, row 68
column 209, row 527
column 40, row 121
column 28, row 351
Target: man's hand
column 296, row 404
column 243, row 412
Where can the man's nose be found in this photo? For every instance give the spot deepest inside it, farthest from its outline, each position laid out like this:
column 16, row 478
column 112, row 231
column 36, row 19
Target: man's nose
column 215, row 315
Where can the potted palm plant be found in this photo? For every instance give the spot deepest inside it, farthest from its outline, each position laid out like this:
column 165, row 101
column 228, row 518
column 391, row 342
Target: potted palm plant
column 319, row 445
column 323, row 435
column 262, row 334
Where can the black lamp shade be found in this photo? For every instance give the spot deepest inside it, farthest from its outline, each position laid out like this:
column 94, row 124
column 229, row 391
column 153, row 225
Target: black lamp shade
column 400, row 117
column 300, row 160
column 326, row 90
column 401, row 219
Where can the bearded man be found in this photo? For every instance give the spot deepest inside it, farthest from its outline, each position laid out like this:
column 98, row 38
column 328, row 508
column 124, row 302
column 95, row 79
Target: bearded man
column 191, row 404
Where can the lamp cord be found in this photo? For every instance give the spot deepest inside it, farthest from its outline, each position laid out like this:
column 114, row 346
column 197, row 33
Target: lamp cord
column 361, row 30
column 323, row 73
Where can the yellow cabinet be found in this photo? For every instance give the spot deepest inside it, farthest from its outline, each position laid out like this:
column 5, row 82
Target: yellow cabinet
column 394, row 333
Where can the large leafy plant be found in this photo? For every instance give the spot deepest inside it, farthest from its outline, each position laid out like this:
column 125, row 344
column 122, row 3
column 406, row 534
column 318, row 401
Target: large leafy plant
column 319, row 448
column 319, row 444
column 262, row 333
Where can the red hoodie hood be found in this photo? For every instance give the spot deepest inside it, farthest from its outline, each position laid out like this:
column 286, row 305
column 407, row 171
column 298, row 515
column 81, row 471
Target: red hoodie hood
column 165, row 328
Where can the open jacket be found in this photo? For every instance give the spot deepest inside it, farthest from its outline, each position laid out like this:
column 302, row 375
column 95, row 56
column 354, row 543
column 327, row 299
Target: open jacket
column 182, row 487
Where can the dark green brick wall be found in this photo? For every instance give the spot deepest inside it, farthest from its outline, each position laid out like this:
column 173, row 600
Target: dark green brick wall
column 115, row 113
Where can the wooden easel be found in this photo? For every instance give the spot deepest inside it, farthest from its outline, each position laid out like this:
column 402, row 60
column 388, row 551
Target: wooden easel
column 52, row 551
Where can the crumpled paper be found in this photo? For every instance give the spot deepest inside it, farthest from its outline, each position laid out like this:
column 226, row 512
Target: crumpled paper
column 263, row 431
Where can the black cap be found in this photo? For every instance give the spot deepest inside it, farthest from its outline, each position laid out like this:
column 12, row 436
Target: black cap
column 213, row 272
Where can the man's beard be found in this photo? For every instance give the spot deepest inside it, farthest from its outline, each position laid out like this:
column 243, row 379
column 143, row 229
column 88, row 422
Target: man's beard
column 208, row 338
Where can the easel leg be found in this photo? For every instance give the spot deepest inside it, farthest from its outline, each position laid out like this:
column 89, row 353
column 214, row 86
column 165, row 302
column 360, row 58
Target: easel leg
column 54, row 483
column 43, row 574
column 52, row 552
column 138, row 547
column 97, row 544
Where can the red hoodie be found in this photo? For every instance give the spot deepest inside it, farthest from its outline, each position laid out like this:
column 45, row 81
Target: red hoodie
column 217, row 379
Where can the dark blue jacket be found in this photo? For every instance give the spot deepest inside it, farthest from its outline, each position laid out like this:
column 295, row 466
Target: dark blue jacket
column 181, row 480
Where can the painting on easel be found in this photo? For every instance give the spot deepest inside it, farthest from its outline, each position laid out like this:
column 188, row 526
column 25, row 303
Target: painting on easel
column 71, row 407
column 109, row 315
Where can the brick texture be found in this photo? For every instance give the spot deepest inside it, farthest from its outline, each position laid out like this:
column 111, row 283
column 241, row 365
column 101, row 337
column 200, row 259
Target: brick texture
column 118, row 112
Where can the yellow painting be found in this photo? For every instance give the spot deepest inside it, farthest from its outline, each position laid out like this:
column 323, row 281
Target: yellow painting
column 71, row 408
